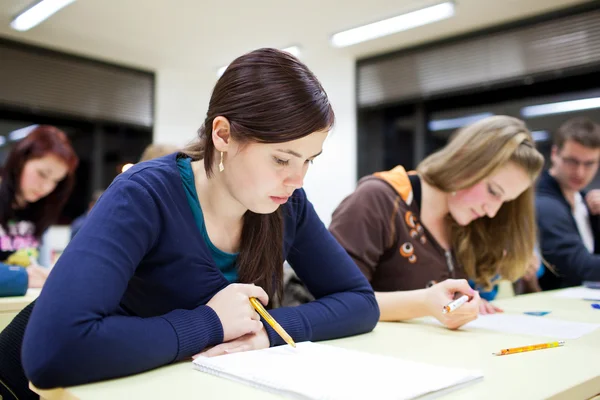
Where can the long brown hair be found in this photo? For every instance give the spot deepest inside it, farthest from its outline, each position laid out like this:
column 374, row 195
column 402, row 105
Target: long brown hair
column 268, row 96
column 41, row 141
column 503, row 244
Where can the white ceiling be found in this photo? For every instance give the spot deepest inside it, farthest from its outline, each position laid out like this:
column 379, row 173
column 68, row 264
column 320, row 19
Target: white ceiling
column 156, row 34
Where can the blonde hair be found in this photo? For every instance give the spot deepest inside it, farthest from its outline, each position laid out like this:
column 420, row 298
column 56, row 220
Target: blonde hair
column 503, row 244
column 156, row 150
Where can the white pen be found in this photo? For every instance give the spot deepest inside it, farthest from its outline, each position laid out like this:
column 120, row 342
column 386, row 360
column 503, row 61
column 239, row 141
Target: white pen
column 453, row 305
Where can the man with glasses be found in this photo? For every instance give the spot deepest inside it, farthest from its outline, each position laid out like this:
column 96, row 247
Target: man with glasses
column 569, row 228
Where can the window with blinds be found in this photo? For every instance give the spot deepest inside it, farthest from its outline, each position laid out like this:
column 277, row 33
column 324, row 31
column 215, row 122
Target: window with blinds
column 555, row 45
column 48, row 81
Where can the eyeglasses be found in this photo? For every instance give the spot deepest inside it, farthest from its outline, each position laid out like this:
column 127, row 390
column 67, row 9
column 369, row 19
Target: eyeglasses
column 575, row 163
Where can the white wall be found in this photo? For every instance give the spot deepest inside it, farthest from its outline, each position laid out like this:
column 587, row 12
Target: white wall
column 181, row 101
column 182, row 97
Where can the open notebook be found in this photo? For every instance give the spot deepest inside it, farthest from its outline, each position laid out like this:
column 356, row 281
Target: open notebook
column 317, row 371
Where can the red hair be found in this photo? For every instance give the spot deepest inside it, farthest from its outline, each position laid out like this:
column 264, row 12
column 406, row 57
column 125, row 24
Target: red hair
column 41, row 141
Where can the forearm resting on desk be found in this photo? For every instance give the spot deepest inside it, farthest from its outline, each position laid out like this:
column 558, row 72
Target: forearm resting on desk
column 400, row 306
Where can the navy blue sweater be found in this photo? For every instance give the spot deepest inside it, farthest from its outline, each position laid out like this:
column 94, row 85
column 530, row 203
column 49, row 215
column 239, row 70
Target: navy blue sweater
column 129, row 293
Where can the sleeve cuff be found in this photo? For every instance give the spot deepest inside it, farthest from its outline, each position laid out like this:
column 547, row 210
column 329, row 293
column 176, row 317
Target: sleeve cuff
column 292, row 321
column 13, row 281
column 195, row 330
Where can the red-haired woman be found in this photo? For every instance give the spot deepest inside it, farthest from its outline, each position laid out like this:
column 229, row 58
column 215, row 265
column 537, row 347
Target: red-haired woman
column 37, row 180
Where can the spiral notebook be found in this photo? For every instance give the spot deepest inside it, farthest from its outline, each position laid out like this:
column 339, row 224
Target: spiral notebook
column 318, row 371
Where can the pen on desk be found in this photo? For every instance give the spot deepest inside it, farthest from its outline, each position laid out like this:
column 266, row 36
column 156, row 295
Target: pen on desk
column 453, row 305
column 532, row 347
column 271, row 321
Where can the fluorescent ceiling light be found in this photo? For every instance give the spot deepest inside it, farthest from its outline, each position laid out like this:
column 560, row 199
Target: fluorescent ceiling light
column 453, row 123
column 2, row 140
column 393, row 25
column 221, row 70
column 19, row 134
column 125, row 167
column 560, row 107
column 293, row 50
column 540, row 136
column 37, row 13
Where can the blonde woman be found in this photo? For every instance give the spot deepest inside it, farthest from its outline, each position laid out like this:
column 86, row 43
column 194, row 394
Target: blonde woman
column 156, row 150
column 466, row 213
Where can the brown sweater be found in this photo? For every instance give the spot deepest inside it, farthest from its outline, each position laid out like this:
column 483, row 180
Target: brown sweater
column 379, row 226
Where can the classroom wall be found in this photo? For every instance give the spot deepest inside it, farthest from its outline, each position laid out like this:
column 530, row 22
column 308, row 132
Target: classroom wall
column 186, row 68
column 182, row 96
column 182, row 93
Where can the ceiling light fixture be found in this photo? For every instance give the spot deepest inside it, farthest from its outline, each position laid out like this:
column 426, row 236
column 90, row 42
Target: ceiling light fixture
column 393, row 25
column 21, row 133
column 37, row 13
column 453, row 123
column 560, row 107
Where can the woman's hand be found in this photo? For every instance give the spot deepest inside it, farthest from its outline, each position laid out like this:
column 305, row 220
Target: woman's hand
column 233, row 308
column 251, row 341
column 485, row 307
column 443, row 293
column 37, row 276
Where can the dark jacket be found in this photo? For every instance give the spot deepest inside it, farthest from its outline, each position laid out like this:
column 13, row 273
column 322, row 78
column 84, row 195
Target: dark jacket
column 560, row 241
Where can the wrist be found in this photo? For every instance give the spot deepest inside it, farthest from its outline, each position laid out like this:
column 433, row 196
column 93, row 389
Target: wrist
column 263, row 337
column 426, row 303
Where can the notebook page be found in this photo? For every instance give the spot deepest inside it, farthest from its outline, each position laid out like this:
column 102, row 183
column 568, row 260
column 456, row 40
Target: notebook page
column 528, row 325
column 317, row 371
column 582, row 293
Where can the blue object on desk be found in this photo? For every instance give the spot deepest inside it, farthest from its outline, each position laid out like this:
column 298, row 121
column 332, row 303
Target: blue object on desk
column 537, row 313
column 596, row 306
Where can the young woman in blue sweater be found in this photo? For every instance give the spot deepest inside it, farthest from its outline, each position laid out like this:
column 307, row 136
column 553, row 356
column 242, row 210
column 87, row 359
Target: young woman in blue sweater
column 170, row 255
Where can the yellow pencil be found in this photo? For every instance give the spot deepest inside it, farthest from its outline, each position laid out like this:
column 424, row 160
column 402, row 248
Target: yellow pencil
column 271, row 321
column 532, row 347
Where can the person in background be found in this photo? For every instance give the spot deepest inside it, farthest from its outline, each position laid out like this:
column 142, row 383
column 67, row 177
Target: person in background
column 37, row 180
column 182, row 243
column 568, row 217
column 156, row 150
column 78, row 222
column 465, row 216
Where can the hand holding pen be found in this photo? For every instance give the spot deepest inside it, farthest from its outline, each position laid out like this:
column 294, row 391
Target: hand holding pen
column 232, row 306
column 248, row 309
column 442, row 294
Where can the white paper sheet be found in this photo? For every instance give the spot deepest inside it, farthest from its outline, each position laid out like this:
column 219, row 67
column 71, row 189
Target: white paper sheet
column 582, row 293
column 529, row 325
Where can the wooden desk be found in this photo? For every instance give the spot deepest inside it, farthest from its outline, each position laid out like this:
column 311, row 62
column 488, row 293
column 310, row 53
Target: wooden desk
column 11, row 306
column 555, row 373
